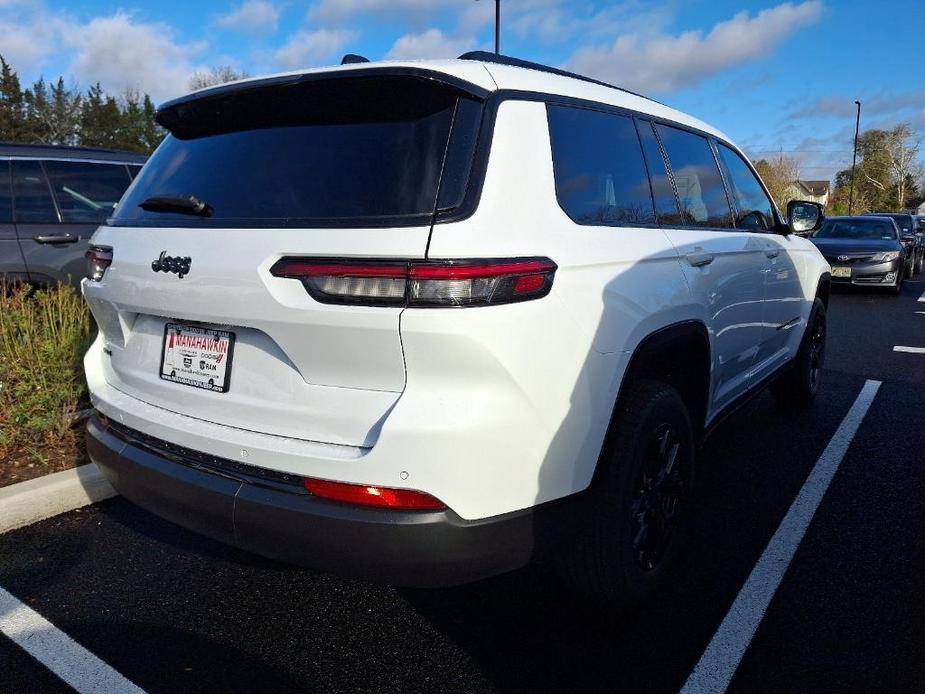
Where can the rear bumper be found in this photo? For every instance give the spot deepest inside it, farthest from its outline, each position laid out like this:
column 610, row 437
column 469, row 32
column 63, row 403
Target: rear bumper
column 277, row 518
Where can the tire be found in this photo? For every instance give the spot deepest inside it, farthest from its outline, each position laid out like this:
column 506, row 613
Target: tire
column 799, row 385
column 646, row 481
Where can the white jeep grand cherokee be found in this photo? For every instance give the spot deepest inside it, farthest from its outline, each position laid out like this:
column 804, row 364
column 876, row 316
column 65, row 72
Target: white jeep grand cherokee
column 423, row 321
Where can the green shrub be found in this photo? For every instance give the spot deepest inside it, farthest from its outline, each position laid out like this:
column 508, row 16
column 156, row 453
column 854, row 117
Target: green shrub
column 43, row 336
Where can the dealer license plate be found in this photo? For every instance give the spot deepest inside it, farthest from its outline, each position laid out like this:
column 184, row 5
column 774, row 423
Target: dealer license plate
column 841, row 272
column 198, row 357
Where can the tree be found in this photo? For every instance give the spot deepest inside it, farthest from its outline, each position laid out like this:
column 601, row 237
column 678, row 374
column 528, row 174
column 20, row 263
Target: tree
column 217, row 75
column 99, row 119
column 60, row 114
column 902, row 151
column 886, row 170
column 13, row 127
column 779, row 175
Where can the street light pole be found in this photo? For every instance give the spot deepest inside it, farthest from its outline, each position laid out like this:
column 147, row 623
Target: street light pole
column 854, row 158
column 497, row 27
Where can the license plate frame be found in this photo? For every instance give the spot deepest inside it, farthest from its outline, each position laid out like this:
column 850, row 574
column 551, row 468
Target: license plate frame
column 212, row 349
column 841, row 272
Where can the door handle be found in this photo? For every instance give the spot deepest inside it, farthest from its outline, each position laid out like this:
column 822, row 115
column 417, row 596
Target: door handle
column 700, row 259
column 55, row 238
column 772, row 253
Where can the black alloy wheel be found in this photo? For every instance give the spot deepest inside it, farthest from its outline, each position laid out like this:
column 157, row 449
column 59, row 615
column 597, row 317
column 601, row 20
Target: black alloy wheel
column 659, row 496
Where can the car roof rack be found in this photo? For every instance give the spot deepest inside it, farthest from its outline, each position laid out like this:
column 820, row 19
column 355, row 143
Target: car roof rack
column 487, row 57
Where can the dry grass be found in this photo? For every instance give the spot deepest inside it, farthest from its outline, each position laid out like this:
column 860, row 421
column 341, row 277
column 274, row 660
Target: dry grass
column 43, row 336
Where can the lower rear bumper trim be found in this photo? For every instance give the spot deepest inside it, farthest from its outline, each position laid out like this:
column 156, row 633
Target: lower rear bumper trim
column 423, row 549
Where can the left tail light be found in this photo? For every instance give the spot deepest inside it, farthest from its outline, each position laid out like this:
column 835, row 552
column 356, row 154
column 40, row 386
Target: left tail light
column 425, row 283
column 98, row 259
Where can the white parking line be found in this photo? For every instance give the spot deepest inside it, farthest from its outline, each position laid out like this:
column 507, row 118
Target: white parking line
column 910, row 350
column 57, row 651
column 922, row 298
column 722, row 656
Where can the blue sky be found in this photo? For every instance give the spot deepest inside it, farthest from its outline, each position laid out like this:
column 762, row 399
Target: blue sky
column 774, row 76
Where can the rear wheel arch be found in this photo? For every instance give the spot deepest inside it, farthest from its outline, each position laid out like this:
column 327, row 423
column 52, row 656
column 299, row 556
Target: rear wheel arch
column 678, row 355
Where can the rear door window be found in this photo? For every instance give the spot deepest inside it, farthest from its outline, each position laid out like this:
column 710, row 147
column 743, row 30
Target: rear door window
column 32, row 201
column 86, row 192
column 697, row 178
column 753, row 206
column 332, row 152
column 599, row 170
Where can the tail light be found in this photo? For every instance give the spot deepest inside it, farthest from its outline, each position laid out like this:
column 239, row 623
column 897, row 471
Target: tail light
column 423, row 283
column 377, row 497
column 98, row 259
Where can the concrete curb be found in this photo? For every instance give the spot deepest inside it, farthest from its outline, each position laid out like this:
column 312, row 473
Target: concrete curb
column 33, row 500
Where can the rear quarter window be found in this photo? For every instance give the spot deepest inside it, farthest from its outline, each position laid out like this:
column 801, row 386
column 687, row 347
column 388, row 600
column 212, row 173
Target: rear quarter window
column 599, row 170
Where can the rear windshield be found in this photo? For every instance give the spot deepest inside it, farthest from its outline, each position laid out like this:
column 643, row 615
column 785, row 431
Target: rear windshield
column 865, row 229
column 336, row 152
column 904, row 222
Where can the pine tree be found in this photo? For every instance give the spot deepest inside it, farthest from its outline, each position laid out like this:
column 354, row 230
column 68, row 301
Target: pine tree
column 12, row 107
column 59, row 114
column 152, row 133
column 36, row 99
column 64, row 114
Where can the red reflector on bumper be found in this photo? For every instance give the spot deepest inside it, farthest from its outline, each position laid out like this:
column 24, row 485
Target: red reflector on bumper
column 378, row 497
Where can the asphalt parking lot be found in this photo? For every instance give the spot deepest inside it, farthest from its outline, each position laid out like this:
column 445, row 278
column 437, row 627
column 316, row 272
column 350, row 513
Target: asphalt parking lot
column 171, row 611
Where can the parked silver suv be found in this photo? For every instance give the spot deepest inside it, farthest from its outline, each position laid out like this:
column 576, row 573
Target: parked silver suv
column 52, row 199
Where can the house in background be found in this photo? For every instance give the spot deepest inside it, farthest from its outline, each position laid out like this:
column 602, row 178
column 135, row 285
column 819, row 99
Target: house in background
column 814, row 191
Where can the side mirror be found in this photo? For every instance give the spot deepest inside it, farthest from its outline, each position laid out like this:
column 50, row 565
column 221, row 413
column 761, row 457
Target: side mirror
column 804, row 216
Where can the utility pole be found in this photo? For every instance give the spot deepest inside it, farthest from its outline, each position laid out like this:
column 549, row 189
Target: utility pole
column 854, row 158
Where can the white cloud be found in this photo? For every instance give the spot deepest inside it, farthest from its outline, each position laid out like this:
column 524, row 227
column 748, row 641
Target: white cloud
column 662, row 63
column 432, row 43
column 339, row 10
column 28, row 34
column 252, row 15
column 555, row 21
column 122, row 54
column 306, row 48
column 25, row 46
column 886, row 102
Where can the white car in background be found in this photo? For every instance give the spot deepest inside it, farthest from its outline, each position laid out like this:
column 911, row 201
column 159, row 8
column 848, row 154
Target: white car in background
column 423, row 321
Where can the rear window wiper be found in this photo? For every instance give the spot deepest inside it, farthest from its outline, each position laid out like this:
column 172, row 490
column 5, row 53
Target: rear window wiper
column 188, row 205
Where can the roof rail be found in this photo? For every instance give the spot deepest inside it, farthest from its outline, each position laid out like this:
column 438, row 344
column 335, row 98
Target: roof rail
column 486, row 57
column 75, row 148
